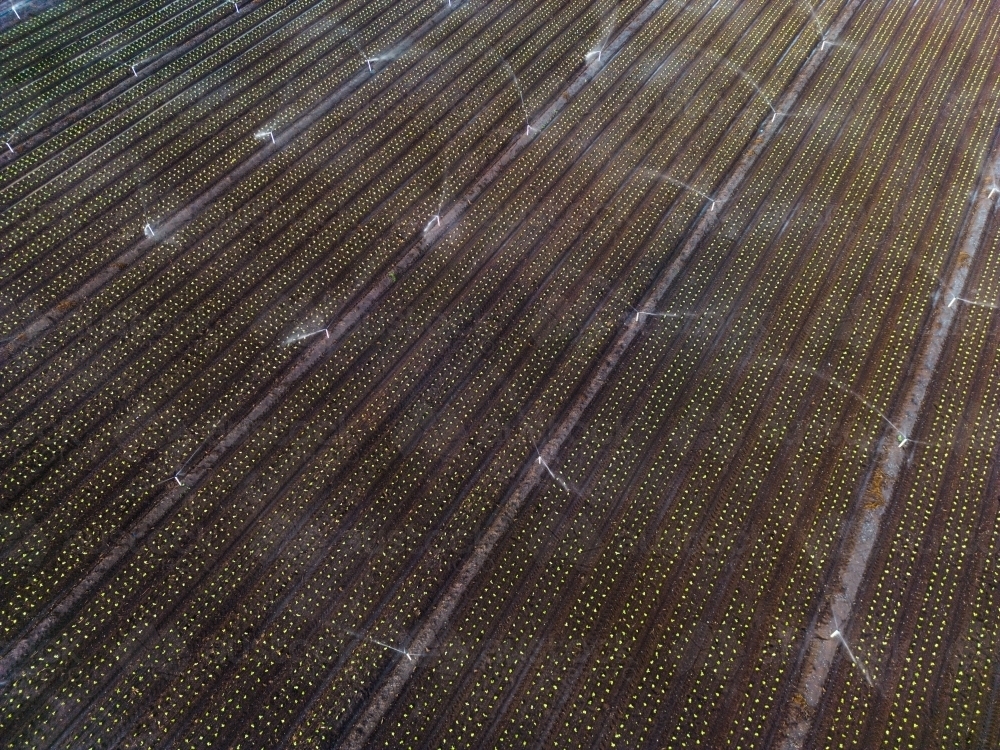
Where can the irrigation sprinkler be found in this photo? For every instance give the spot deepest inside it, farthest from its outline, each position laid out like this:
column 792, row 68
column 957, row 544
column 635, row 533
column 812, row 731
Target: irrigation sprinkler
column 756, row 87
column 14, row 8
column 520, row 94
column 838, row 636
column 263, row 135
column 902, row 439
column 435, row 220
column 295, row 339
column 558, row 479
column 132, row 66
column 816, row 22
column 993, row 191
column 403, row 651
column 597, row 52
column 661, row 314
column 364, row 55
column 182, row 471
column 148, row 231
column 9, row 147
column 235, row 5
column 665, row 177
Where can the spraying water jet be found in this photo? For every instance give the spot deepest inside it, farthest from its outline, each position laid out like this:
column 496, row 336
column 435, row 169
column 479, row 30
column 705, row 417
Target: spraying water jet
column 839, row 637
column 520, row 93
column 691, row 188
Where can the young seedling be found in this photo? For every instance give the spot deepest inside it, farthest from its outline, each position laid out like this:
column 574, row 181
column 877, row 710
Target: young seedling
column 529, row 129
column 295, row 339
column 838, row 636
column 263, row 135
column 683, row 185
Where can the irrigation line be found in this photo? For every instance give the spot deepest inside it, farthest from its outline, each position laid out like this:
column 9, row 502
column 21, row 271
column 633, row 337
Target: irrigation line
column 863, row 529
column 439, row 616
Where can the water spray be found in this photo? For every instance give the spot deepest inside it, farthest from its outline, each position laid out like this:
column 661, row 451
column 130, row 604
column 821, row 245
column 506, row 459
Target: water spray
column 756, row 87
column 435, row 220
column 302, row 337
column 405, row 652
column 667, row 178
column 520, row 93
column 838, row 636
